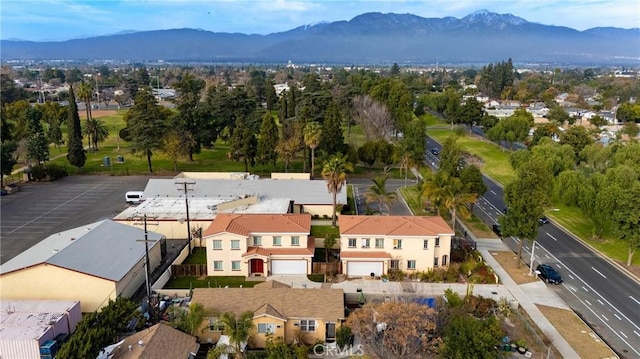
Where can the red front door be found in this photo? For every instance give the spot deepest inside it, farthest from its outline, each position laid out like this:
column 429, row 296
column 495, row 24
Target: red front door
column 257, row 266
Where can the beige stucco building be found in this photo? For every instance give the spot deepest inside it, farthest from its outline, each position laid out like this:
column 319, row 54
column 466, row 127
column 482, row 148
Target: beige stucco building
column 259, row 244
column 309, row 314
column 378, row 244
column 91, row 264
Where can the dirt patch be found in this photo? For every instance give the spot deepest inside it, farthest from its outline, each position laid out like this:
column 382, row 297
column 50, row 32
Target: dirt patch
column 507, row 260
column 581, row 338
column 97, row 113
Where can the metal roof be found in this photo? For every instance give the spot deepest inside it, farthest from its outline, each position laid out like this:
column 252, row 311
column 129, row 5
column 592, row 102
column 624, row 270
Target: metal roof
column 104, row 249
column 302, row 192
column 200, row 209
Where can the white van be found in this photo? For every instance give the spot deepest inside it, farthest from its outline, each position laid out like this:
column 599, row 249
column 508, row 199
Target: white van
column 134, row 197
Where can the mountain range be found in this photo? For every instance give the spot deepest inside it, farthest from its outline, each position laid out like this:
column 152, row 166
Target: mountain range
column 480, row 37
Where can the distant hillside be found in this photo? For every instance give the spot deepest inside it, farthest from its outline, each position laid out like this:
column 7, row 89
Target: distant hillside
column 368, row 38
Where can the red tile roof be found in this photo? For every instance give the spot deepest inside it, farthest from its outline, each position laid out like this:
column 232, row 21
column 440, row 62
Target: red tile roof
column 246, row 224
column 364, row 254
column 393, row 226
column 290, row 251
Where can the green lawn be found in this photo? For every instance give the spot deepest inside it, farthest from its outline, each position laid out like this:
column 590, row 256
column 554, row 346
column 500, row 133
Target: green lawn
column 322, row 231
column 412, row 197
column 209, row 282
column 495, row 160
column 197, row 256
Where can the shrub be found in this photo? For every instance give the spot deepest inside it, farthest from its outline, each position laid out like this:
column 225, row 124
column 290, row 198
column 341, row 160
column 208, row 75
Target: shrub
column 396, row 275
column 38, row 172
column 56, row 172
column 344, row 336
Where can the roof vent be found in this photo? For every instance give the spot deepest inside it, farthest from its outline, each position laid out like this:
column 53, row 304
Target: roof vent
column 56, row 250
column 130, row 347
column 72, row 238
column 140, row 342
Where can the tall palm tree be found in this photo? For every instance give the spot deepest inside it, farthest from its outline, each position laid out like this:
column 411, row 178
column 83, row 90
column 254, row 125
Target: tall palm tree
column 407, row 162
column 432, row 189
column 85, row 93
column 312, row 133
column 377, row 192
column 334, row 172
column 457, row 199
column 96, row 131
column 238, row 329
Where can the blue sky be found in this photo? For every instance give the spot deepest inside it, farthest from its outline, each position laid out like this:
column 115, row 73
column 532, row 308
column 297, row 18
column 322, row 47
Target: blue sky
column 39, row 20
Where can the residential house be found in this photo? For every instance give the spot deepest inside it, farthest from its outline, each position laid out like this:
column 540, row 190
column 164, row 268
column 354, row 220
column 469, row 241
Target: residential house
column 92, row 264
column 309, row 315
column 158, row 341
column 376, row 245
column 259, row 244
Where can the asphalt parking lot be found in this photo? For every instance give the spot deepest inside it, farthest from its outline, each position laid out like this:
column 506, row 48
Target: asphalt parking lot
column 44, row 208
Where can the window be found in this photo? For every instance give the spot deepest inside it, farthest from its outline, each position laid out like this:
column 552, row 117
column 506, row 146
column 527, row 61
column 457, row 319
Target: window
column 365, row 242
column 444, row 260
column 295, row 240
column 425, row 244
column 379, row 242
column 307, row 325
column 235, row 244
column 435, row 261
column 217, row 244
column 257, row 240
column 397, row 244
column 352, row 242
column 395, row 264
column 235, row 265
column 217, row 265
column 265, row 328
column 215, row 325
column 277, row 240
column 411, row 264
column 437, row 241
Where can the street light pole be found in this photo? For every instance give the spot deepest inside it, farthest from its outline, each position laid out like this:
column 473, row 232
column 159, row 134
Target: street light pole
column 186, row 190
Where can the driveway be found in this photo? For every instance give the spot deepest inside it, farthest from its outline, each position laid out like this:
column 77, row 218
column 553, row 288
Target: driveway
column 44, row 208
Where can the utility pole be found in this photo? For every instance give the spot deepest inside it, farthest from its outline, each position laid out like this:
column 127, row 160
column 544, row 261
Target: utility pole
column 97, row 93
column 147, row 265
column 186, row 187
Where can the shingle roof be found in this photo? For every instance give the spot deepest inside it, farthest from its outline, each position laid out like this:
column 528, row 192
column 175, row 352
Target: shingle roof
column 251, row 223
column 326, row 304
column 104, row 249
column 272, row 284
column 393, row 226
column 158, row 341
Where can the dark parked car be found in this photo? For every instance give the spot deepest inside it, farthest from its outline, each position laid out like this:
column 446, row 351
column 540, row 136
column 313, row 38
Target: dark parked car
column 548, row 274
column 497, row 229
column 435, row 151
column 543, row 220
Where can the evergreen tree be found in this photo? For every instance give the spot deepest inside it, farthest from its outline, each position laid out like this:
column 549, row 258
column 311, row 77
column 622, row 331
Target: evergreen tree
column 292, row 101
column 243, row 144
column 146, row 125
column 283, row 107
column 271, row 97
column 188, row 118
column 37, row 144
column 268, row 140
column 332, row 138
column 75, row 153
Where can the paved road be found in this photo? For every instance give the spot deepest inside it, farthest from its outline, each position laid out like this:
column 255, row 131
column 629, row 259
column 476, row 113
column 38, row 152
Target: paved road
column 604, row 295
column 42, row 209
column 398, row 207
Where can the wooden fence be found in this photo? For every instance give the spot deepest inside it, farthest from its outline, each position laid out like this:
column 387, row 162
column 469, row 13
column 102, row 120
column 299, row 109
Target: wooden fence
column 188, row 270
column 333, row 267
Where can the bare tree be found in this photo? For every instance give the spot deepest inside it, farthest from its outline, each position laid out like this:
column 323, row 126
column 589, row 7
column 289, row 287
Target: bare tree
column 374, row 117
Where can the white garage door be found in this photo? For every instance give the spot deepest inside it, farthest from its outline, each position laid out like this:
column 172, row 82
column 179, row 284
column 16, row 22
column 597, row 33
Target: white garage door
column 283, row 266
column 363, row 268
